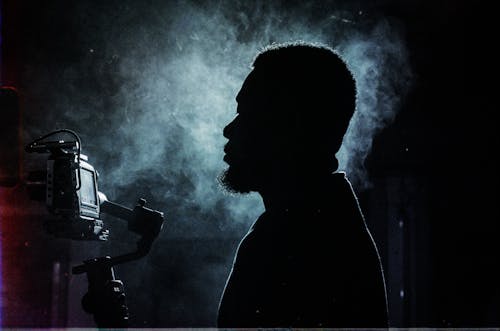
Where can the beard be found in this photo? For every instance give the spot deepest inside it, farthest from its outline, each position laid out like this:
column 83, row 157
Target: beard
column 237, row 180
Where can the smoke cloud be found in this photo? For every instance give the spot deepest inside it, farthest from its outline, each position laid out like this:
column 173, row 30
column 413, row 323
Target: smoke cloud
column 150, row 88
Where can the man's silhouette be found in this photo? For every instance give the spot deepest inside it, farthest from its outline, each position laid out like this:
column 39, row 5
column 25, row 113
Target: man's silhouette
column 309, row 260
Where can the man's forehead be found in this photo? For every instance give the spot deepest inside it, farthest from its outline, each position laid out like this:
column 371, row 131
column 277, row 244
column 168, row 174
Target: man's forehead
column 246, row 88
column 253, row 88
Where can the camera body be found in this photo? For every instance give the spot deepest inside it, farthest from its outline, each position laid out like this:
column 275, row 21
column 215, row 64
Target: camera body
column 62, row 195
column 71, row 192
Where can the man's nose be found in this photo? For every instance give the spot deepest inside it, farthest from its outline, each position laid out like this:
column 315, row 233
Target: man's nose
column 229, row 129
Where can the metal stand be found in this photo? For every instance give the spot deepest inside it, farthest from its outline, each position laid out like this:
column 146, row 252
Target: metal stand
column 105, row 298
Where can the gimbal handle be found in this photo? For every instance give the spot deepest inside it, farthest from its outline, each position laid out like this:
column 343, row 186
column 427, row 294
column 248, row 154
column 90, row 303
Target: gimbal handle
column 105, row 298
column 141, row 220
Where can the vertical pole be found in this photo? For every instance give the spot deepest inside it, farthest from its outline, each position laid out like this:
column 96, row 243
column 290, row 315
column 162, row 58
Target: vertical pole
column 395, row 255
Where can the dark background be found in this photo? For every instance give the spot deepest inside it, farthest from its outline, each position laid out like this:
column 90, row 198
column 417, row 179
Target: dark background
column 432, row 205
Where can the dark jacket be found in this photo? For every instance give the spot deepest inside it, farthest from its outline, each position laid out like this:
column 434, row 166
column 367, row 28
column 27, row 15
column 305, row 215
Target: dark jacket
column 310, row 265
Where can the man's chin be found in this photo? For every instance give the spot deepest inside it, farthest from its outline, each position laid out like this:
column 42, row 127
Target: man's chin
column 235, row 181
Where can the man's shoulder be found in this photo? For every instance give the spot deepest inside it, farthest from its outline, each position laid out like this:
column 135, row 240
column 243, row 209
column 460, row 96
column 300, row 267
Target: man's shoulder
column 339, row 179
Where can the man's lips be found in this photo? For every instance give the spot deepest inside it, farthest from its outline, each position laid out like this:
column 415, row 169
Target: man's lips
column 228, row 156
column 232, row 155
column 227, row 148
column 232, row 158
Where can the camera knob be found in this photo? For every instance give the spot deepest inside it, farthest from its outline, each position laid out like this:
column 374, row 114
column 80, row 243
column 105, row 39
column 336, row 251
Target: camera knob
column 141, row 202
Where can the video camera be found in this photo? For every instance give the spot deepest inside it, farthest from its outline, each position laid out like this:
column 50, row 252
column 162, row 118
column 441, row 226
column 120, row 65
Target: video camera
column 70, row 191
column 69, row 187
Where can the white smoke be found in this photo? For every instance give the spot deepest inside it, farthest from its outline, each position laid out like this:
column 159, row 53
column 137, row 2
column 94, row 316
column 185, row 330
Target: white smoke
column 379, row 62
column 151, row 95
column 182, row 97
column 154, row 87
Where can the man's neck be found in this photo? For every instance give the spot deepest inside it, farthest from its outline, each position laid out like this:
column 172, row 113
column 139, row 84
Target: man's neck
column 293, row 193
